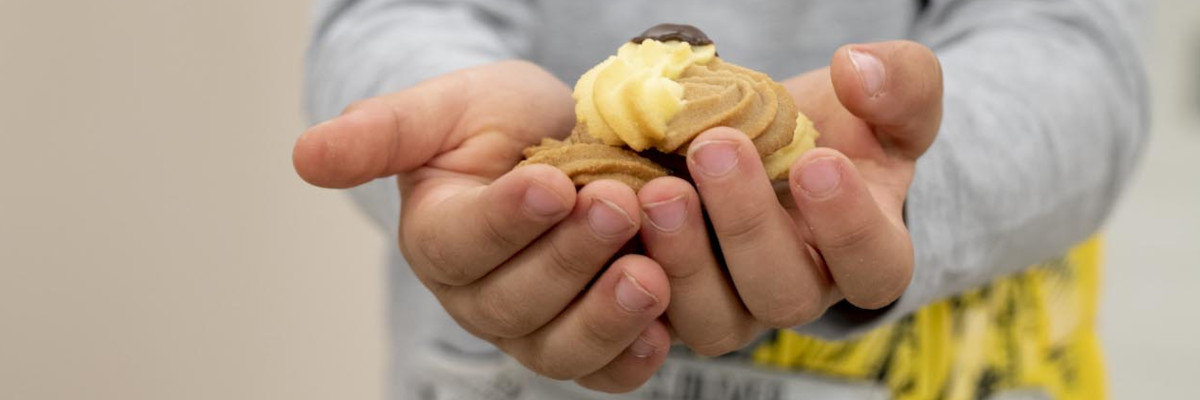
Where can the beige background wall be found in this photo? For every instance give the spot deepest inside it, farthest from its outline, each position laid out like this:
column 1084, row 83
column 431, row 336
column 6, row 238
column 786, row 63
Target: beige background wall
column 155, row 244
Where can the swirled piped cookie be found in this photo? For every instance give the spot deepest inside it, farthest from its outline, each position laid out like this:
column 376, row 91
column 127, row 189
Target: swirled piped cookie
column 641, row 108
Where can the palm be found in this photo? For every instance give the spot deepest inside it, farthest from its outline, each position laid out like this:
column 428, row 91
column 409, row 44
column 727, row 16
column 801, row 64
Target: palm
column 511, row 106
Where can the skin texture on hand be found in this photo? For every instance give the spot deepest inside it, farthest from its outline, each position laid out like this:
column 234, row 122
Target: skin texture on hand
column 836, row 232
column 513, row 255
column 516, row 257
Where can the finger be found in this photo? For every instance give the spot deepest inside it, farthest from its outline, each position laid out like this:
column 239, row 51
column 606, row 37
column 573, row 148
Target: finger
column 539, row 282
column 395, row 133
column 635, row 365
column 606, row 321
column 868, row 254
column 896, row 87
column 381, row 136
column 706, row 312
column 454, row 239
column 772, row 270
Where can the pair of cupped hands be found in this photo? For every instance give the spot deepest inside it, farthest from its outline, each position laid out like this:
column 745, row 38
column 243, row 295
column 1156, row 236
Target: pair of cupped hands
column 521, row 259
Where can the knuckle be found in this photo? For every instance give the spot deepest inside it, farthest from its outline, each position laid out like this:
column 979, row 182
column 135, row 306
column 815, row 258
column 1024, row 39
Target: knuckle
column 683, row 260
column 572, row 268
column 442, row 266
column 728, row 341
column 891, row 282
column 396, row 120
column 789, row 311
column 849, row 237
column 554, row 365
column 599, row 334
column 498, row 232
column 680, row 268
column 595, row 339
column 471, row 325
column 497, row 317
column 747, row 227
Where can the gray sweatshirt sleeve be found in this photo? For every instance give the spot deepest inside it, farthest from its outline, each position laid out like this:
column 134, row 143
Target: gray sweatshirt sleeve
column 1045, row 114
column 363, row 48
column 1045, row 117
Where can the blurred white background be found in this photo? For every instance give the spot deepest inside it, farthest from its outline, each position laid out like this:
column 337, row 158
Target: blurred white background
column 155, row 243
column 1148, row 318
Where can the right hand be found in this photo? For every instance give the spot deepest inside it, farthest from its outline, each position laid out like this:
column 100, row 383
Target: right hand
column 511, row 255
column 838, row 232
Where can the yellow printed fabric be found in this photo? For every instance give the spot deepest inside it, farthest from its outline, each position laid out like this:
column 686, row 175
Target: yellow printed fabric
column 1034, row 330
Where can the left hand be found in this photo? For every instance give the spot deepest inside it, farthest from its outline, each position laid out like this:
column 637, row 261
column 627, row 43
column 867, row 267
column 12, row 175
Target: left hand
column 837, row 233
column 518, row 258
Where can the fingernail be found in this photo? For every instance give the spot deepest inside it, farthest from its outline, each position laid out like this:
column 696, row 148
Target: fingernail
column 667, row 216
column 870, row 71
column 715, row 158
column 641, row 348
column 607, row 219
column 632, row 297
column 543, row 203
column 820, row 177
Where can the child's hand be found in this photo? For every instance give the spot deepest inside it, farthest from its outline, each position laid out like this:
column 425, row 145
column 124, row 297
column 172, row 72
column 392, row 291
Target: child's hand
column 508, row 254
column 839, row 232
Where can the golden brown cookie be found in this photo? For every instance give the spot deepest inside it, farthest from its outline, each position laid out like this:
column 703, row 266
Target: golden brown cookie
column 655, row 96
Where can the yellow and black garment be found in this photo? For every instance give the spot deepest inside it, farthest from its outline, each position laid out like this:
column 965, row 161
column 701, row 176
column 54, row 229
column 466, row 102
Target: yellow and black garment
column 1034, row 330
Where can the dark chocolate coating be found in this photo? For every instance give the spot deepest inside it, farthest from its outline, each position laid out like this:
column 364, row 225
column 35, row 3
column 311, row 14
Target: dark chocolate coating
column 668, row 32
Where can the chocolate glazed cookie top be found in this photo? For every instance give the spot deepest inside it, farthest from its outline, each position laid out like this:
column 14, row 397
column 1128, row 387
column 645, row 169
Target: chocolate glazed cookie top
column 668, row 32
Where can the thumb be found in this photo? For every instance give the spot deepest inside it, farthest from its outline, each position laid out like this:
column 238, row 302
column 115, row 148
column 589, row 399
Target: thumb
column 896, row 87
column 378, row 137
column 508, row 105
column 867, row 250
